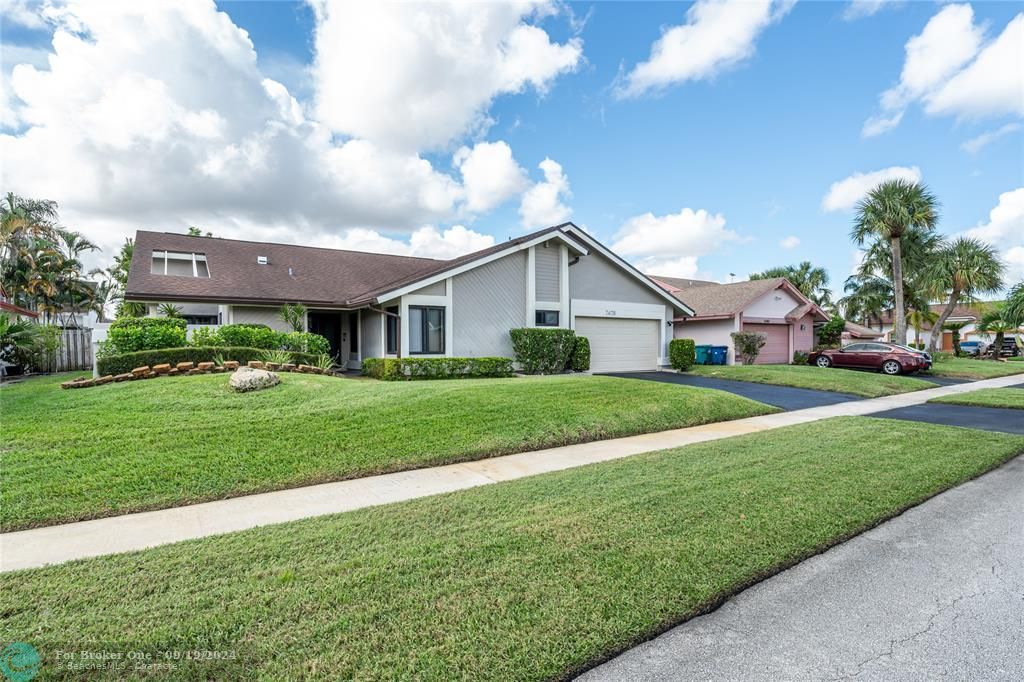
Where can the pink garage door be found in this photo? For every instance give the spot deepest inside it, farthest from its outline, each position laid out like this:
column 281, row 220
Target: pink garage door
column 776, row 350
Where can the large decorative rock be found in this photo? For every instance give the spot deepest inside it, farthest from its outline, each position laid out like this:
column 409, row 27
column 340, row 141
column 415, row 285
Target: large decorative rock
column 251, row 379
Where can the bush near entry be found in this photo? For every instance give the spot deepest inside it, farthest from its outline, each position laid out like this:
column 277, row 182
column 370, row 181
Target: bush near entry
column 682, row 354
column 748, row 345
column 580, row 360
column 542, row 351
column 130, row 334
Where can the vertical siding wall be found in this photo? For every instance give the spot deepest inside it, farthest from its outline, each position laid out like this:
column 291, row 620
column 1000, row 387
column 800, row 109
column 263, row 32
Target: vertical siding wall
column 547, row 264
column 708, row 332
column 487, row 302
column 594, row 277
column 271, row 317
column 370, row 330
column 803, row 340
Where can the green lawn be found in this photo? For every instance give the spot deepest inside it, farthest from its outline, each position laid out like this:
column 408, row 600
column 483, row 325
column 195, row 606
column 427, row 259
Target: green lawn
column 971, row 368
column 987, row 397
column 85, row 453
column 866, row 384
column 531, row 579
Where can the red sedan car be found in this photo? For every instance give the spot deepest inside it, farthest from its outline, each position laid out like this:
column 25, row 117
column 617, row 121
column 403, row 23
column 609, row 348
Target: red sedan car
column 887, row 358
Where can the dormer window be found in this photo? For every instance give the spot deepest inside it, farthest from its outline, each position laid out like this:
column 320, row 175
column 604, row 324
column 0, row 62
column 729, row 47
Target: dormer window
column 180, row 264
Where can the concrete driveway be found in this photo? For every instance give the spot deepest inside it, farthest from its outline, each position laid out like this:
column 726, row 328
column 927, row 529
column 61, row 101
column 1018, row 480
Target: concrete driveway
column 786, row 397
column 937, row 593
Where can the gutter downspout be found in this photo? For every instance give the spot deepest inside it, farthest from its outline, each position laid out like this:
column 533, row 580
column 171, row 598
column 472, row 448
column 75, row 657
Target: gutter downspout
column 398, row 330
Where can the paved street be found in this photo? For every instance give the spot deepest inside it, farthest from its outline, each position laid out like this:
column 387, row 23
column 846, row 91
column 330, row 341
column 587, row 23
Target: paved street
column 937, row 593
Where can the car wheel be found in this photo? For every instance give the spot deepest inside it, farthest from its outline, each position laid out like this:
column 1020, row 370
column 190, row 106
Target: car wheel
column 891, row 367
column 823, row 361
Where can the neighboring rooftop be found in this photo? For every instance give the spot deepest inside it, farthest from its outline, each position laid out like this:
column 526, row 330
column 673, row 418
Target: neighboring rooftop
column 713, row 300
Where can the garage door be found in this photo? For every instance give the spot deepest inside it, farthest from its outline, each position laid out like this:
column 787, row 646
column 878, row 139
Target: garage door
column 776, row 350
column 620, row 345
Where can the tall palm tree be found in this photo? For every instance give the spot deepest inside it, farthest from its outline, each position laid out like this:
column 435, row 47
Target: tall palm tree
column 867, row 298
column 963, row 270
column 888, row 212
column 810, row 280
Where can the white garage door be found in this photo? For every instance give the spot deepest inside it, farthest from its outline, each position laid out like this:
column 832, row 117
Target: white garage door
column 619, row 344
column 776, row 349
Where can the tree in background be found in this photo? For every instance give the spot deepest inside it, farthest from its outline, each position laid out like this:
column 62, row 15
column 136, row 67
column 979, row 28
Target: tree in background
column 999, row 321
column 919, row 318
column 888, row 212
column 810, row 280
column 961, row 271
column 116, row 282
column 1014, row 307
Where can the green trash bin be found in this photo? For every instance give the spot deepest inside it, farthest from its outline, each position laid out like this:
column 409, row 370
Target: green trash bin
column 719, row 354
column 703, row 355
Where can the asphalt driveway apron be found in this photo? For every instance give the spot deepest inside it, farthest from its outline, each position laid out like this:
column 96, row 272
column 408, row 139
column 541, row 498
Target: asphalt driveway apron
column 1006, row 420
column 786, row 397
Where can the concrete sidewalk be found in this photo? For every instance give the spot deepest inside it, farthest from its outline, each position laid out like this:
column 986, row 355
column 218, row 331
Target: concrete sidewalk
column 130, row 532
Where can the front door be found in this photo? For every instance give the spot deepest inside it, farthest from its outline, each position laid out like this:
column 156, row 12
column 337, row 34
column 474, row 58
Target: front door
column 328, row 325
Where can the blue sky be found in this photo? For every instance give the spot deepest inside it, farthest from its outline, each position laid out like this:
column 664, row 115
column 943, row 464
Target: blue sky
column 756, row 139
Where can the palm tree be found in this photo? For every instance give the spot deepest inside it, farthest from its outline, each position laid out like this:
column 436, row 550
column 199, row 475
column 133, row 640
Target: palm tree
column 996, row 321
column 867, row 298
column 1014, row 309
column 810, row 280
column 963, row 270
column 919, row 318
column 17, row 338
column 888, row 212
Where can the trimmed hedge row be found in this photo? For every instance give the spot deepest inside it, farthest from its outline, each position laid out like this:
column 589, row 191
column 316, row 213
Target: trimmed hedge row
column 126, row 362
column 130, row 334
column 682, row 354
column 543, row 351
column 260, row 336
column 412, row 369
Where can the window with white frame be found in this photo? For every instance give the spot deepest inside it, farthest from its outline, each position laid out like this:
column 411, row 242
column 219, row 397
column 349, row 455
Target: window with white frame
column 179, row 264
column 426, row 330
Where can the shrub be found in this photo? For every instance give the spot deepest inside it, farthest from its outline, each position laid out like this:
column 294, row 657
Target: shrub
column 579, row 361
column 126, row 362
column 412, row 369
column 294, row 315
column 831, row 333
column 682, row 353
column 205, row 336
column 131, row 334
column 918, row 346
column 278, row 357
column 250, row 336
column 305, row 342
column 542, row 351
column 801, row 358
column 748, row 345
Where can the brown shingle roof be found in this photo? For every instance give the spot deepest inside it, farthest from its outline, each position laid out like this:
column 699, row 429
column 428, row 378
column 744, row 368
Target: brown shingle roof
column 317, row 276
column 720, row 300
column 680, row 283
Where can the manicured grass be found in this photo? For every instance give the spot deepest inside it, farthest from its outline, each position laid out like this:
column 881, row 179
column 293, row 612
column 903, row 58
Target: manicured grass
column 865, row 384
column 85, row 453
column 971, row 368
column 532, row 579
column 987, row 397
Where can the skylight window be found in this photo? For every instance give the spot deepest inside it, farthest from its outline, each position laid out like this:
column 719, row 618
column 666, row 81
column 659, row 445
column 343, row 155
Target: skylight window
column 180, row 264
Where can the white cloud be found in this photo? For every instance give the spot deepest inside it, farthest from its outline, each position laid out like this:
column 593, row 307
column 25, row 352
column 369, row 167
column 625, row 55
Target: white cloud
column 976, row 144
column 844, row 194
column 858, row 9
column 158, row 115
column 542, row 205
column 790, row 242
column 490, row 175
column 951, row 70
column 1005, row 231
column 716, row 36
column 426, row 242
column 10, row 56
column 416, row 76
column 22, row 12
column 671, row 245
